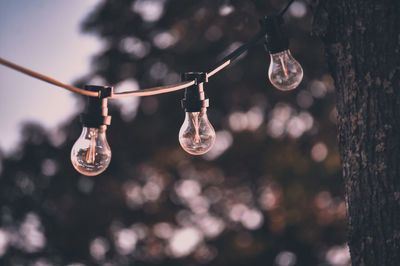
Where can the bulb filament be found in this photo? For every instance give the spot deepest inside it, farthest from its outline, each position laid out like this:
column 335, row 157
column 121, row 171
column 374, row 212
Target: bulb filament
column 284, row 66
column 91, row 152
column 196, row 125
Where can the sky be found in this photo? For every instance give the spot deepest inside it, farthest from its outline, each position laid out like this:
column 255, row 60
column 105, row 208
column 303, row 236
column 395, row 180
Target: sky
column 45, row 36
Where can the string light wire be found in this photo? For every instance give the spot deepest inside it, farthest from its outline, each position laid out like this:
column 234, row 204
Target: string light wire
column 47, row 79
column 150, row 91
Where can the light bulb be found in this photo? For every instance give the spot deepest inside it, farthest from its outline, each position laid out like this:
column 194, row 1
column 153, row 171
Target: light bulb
column 91, row 153
column 285, row 73
column 197, row 135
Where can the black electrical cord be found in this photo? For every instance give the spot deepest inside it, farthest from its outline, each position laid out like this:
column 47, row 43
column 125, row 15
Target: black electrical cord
column 158, row 90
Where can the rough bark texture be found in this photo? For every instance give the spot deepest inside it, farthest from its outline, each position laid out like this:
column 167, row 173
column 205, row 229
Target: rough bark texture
column 362, row 39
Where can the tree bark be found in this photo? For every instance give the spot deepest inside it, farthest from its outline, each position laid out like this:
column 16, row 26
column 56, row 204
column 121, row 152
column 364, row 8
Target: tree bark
column 362, row 41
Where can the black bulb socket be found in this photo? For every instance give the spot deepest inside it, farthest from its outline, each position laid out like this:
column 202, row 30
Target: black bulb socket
column 275, row 40
column 96, row 111
column 194, row 98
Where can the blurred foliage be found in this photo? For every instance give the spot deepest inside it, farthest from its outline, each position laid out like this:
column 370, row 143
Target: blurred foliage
column 269, row 193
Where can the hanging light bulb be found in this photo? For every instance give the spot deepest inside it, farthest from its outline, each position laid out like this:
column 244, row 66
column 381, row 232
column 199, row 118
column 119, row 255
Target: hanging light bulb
column 197, row 135
column 91, row 153
column 284, row 72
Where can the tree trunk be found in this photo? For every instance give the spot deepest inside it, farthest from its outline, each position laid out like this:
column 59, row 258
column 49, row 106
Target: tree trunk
column 362, row 40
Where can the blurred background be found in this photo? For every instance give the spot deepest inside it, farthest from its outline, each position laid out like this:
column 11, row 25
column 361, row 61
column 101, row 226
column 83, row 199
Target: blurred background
column 268, row 193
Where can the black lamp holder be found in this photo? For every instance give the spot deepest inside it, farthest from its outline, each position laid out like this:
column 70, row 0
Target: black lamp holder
column 275, row 40
column 194, row 98
column 96, row 111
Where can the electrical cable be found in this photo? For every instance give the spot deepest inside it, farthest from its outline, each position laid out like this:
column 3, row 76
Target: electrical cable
column 237, row 52
column 151, row 91
column 47, row 79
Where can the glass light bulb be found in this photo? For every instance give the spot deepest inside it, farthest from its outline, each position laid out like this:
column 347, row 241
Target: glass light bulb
column 91, row 153
column 197, row 135
column 284, row 72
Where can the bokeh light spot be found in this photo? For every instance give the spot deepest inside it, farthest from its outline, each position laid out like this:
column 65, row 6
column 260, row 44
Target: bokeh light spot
column 149, row 10
column 252, row 219
column 129, row 105
column 319, row 152
column 298, row 9
column 32, row 238
column 286, row 258
column 4, row 239
column 184, row 241
column 125, row 241
column 135, row 46
column 163, row 40
column 318, row 89
column 188, row 189
column 223, row 141
column 338, row 255
column 49, row 167
column 225, row 10
column 98, row 248
column 163, row 230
